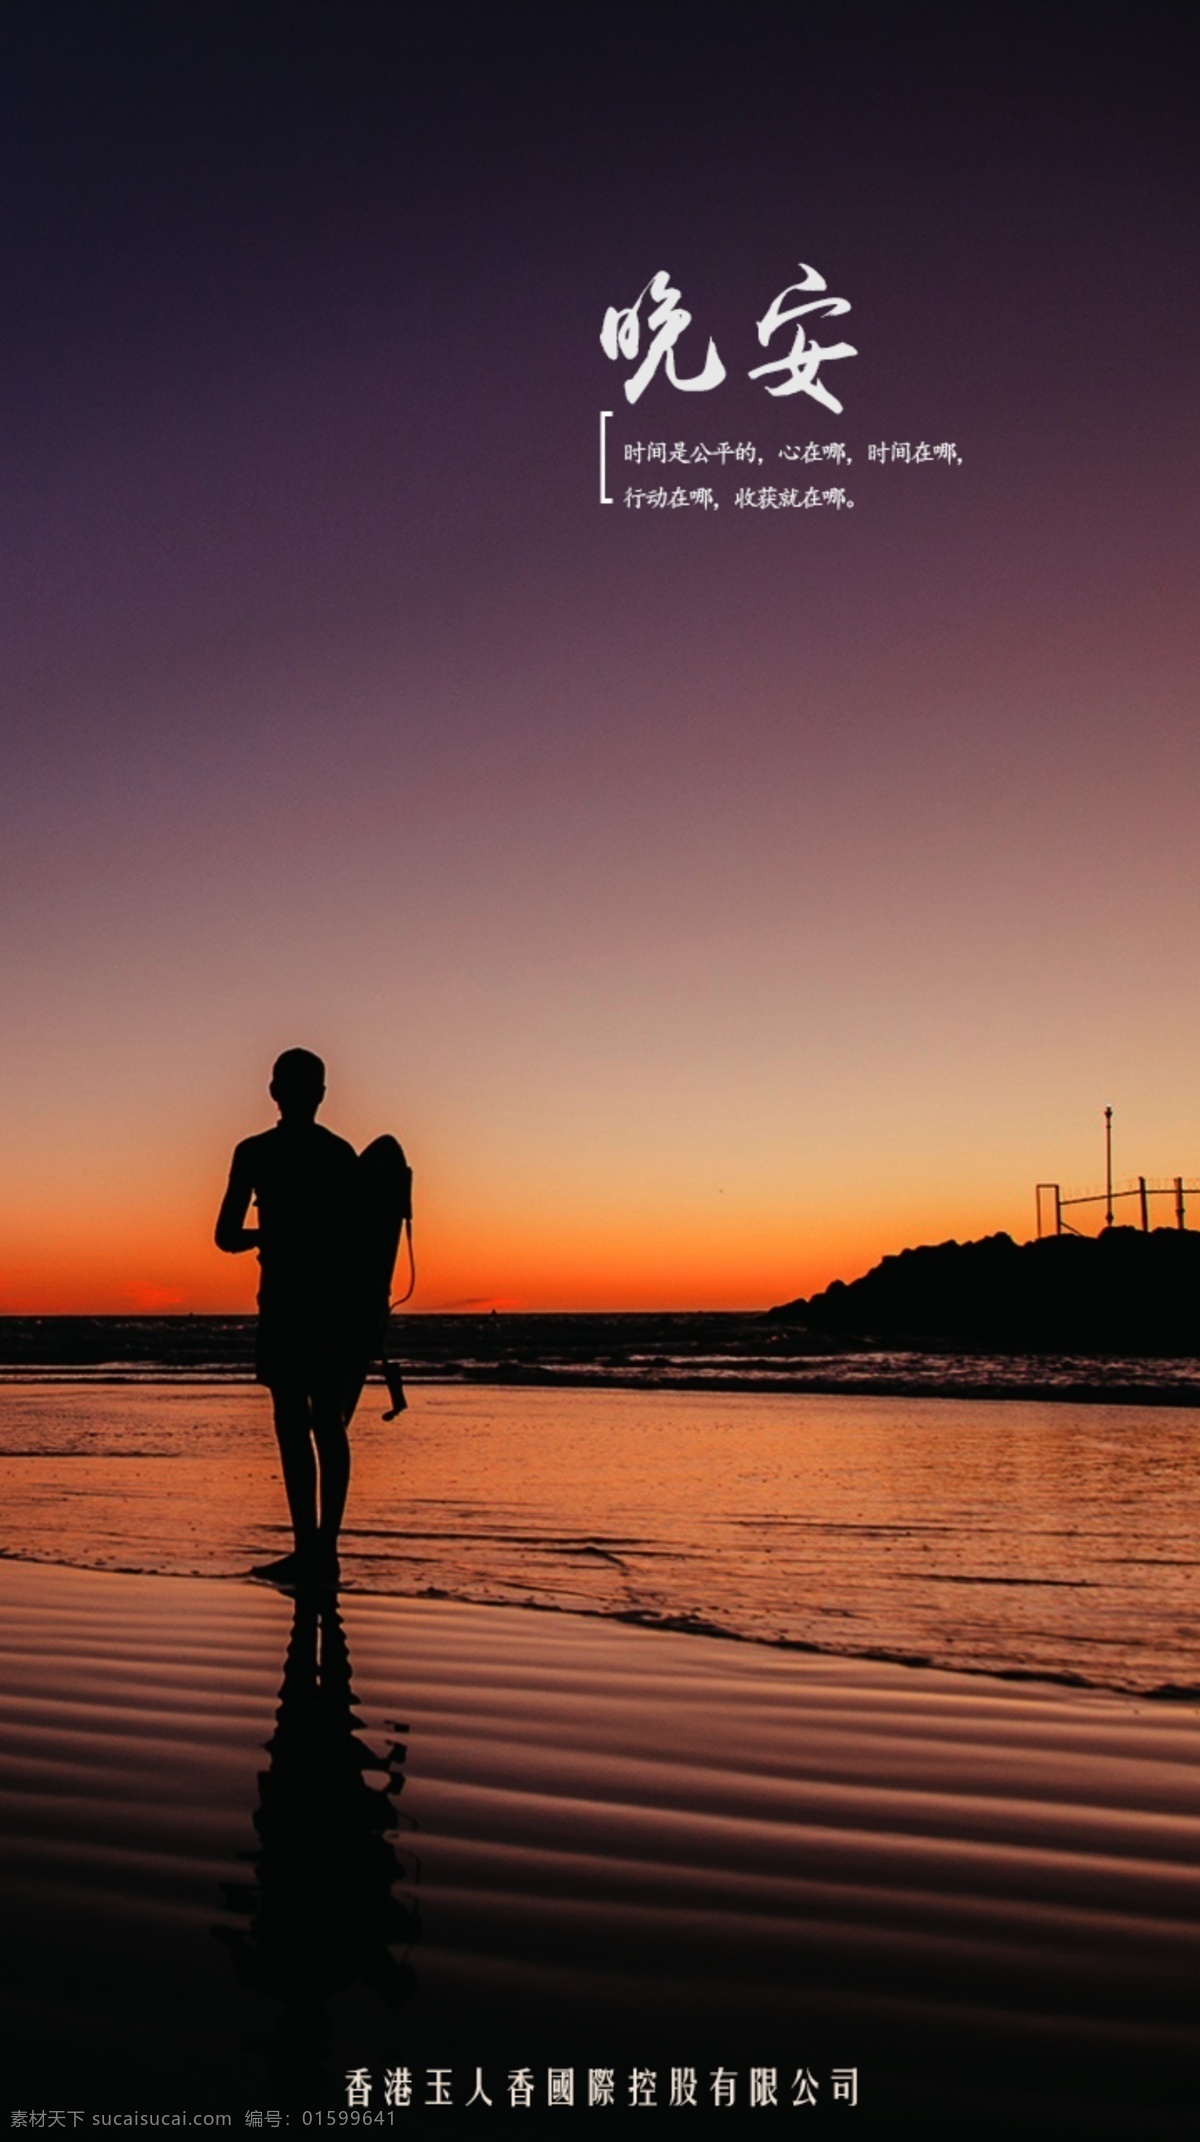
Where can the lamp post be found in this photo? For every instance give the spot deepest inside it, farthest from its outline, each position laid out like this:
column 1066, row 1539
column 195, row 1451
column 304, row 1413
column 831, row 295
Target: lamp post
column 1108, row 1211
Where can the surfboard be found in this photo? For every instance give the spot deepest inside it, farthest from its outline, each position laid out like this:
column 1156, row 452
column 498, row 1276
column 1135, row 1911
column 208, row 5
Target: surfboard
column 385, row 1209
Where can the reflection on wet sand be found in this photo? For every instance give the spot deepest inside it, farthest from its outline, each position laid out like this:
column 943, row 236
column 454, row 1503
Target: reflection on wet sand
column 322, row 1914
column 637, row 1847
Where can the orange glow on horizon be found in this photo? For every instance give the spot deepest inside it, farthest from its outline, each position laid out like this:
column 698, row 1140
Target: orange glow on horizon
column 155, row 1271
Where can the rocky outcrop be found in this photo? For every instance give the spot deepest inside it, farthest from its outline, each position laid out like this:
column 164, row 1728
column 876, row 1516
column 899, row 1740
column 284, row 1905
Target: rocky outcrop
column 1122, row 1292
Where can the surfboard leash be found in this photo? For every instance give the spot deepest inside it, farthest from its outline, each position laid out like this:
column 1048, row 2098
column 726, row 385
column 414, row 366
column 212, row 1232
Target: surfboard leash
column 409, row 1291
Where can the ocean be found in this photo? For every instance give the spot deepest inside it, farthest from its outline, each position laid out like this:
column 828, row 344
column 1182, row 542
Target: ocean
column 1015, row 1536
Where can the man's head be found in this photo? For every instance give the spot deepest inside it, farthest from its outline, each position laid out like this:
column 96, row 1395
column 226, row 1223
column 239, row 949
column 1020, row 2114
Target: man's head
column 298, row 1085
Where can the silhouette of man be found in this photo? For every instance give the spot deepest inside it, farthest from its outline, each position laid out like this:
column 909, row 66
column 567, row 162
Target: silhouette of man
column 311, row 1352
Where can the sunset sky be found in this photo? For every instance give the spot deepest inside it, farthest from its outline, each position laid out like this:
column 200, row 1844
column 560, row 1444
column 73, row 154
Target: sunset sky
column 711, row 901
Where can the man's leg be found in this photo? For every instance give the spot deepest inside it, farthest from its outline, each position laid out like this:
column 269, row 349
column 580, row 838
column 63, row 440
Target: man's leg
column 333, row 1458
column 294, row 1434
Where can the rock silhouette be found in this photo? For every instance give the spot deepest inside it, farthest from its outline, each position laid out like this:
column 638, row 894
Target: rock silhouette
column 1121, row 1292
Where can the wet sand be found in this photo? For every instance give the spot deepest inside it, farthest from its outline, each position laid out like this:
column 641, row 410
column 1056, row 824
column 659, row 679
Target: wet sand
column 1057, row 1541
column 246, row 1847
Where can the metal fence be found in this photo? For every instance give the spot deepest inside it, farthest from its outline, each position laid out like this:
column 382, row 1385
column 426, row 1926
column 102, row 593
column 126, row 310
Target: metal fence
column 1053, row 1205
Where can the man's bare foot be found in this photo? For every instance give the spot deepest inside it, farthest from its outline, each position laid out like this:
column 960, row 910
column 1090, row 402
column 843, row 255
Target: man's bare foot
column 289, row 1569
column 313, row 1568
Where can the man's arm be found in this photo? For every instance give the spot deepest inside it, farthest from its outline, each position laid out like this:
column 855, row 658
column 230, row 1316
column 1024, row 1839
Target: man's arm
column 232, row 1234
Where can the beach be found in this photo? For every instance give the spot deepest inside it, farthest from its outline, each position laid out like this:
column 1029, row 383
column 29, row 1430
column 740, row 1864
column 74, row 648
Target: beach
column 250, row 1848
